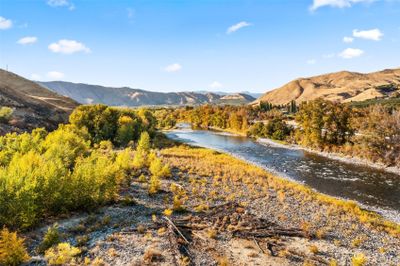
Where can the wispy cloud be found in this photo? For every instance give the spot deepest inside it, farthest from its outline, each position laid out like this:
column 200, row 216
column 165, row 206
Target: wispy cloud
column 373, row 34
column 351, row 53
column 311, row 61
column 55, row 75
column 348, row 39
column 68, row 47
column 27, row 40
column 5, row 23
column 216, row 85
column 237, row 27
column 173, row 68
column 61, row 3
column 336, row 3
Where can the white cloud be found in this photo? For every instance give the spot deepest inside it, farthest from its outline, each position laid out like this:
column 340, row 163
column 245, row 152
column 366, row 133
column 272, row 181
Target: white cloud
column 55, row 75
column 35, row 77
column 237, row 26
column 351, row 53
column 27, row 40
column 335, row 3
column 348, row 39
column 173, row 67
column 68, row 47
column 5, row 23
column 61, row 3
column 374, row 34
column 311, row 61
column 216, row 85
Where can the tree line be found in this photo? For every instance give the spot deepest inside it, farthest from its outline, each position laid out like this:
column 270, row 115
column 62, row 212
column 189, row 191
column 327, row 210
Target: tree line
column 371, row 132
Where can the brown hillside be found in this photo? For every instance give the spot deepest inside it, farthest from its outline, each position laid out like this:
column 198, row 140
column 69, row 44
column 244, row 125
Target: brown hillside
column 341, row 86
column 33, row 105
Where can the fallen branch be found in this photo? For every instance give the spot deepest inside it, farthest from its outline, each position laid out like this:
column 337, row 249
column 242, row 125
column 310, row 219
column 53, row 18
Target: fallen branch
column 176, row 228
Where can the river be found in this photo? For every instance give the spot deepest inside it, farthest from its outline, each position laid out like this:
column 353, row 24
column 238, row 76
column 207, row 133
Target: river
column 372, row 188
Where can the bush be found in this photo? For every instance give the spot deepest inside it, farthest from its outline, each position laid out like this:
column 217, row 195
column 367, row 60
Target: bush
column 5, row 114
column 358, row 260
column 144, row 143
column 57, row 173
column 157, row 168
column 94, row 181
column 154, row 184
column 50, row 239
column 62, row 254
column 12, row 249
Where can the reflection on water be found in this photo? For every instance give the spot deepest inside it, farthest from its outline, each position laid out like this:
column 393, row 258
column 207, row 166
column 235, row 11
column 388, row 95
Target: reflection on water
column 369, row 186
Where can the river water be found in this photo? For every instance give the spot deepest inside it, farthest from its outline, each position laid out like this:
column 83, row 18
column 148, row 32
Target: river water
column 374, row 189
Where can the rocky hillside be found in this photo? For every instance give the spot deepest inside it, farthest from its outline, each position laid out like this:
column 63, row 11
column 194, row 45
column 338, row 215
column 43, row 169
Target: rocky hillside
column 125, row 96
column 341, row 86
column 32, row 105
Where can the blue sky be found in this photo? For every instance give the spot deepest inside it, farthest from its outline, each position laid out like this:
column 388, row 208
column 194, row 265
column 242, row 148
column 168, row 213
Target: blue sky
column 214, row 45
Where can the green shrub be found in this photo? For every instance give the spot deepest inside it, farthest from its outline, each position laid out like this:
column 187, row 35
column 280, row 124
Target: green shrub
column 50, row 239
column 12, row 249
column 94, row 180
column 66, row 143
column 59, row 174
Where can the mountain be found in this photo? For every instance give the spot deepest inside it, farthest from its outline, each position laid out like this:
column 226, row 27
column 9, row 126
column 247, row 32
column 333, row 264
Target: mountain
column 236, row 98
column 223, row 93
column 33, row 105
column 341, row 86
column 85, row 93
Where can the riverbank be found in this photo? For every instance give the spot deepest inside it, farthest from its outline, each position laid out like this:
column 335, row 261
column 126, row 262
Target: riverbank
column 334, row 156
column 331, row 155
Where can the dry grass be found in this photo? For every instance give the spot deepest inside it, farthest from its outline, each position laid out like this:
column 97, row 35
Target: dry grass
column 216, row 177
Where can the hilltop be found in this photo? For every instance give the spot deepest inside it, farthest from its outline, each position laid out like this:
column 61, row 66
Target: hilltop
column 32, row 105
column 341, row 86
column 125, row 96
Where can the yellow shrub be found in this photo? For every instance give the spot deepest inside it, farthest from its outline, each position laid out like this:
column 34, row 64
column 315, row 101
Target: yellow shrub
column 358, row 260
column 154, row 184
column 12, row 249
column 62, row 254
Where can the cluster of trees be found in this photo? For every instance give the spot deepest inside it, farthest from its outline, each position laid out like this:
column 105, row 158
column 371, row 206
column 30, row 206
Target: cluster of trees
column 372, row 132
column 75, row 166
column 323, row 122
column 234, row 118
column 378, row 137
column 49, row 173
column 275, row 129
column 118, row 125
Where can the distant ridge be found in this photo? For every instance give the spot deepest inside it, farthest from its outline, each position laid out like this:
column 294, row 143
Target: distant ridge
column 85, row 93
column 33, row 105
column 341, row 86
